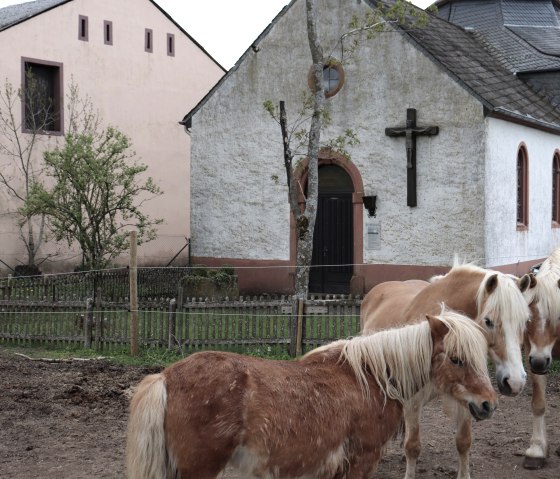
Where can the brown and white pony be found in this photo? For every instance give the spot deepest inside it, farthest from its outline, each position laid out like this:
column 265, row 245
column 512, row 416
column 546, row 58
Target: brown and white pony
column 328, row 415
column 492, row 300
column 542, row 344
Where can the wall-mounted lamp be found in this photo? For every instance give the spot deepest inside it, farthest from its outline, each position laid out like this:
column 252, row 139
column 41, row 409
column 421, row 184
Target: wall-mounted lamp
column 370, row 204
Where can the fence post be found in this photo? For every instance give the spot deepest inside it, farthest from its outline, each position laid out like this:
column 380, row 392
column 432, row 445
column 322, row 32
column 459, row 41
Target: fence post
column 172, row 316
column 45, row 288
column 133, row 278
column 9, row 289
column 299, row 345
column 296, row 327
column 88, row 323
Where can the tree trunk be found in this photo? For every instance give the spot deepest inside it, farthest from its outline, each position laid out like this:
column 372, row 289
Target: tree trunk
column 305, row 221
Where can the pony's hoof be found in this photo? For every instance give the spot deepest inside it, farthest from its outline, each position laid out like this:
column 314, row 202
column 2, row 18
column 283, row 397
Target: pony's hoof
column 534, row 462
column 558, row 451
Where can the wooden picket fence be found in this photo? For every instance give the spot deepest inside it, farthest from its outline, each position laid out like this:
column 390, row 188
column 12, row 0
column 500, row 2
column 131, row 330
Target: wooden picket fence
column 258, row 325
column 106, row 285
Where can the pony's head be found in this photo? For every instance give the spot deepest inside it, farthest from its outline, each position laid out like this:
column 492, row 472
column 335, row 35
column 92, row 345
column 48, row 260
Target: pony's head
column 544, row 302
column 459, row 363
column 448, row 350
column 502, row 313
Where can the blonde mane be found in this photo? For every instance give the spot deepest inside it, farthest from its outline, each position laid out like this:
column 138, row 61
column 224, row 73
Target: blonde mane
column 400, row 359
column 546, row 292
column 505, row 302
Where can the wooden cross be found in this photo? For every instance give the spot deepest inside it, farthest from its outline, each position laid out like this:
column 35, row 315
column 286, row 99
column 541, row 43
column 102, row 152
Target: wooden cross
column 410, row 132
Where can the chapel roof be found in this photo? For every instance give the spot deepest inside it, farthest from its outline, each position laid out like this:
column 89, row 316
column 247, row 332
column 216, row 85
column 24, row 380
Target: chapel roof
column 524, row 33
column 474, row 63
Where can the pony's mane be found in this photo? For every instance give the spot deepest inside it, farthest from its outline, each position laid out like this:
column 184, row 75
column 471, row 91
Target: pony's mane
column 399, row 359
column 506, row 301
column 546, row 291
column 459, row 264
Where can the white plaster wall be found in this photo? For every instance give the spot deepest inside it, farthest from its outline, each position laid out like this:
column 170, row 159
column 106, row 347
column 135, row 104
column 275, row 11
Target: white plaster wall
column 504, row 244
column 143, row 94
column 450, row 168
column 238, row 211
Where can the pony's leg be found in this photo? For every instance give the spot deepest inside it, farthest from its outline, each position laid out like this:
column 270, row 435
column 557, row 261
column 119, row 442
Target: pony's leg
column 412, row 446
column 463, row 441
column 535, row 456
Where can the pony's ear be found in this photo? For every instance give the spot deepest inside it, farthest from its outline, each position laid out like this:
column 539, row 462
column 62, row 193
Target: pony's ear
column 438, row 328
column 533, row 280
column 491, row 284
column 526, row 281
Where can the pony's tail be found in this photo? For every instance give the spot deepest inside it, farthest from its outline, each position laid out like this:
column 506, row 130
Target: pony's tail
column 146, row 451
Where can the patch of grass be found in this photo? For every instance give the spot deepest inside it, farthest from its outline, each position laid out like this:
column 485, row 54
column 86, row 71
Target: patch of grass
column 555, row 366
column 148, row 357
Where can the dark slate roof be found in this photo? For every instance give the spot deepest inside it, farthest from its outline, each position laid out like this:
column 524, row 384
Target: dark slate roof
column 14, row 14
column 525, row 34
column 468, row 57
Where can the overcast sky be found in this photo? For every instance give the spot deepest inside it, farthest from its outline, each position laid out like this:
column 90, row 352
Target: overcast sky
column 225, row 28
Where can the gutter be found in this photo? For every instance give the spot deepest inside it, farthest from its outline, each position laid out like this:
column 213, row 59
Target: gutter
column 526, row 120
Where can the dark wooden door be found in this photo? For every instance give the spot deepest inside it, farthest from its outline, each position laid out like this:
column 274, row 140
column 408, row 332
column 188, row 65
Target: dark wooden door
column 333, row 239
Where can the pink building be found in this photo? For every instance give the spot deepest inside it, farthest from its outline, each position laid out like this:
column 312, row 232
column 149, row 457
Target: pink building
column 141, row 71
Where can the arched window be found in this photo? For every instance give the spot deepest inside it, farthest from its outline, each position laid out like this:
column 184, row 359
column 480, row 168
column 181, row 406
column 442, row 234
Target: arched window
column 556, row 189
column 522, row 189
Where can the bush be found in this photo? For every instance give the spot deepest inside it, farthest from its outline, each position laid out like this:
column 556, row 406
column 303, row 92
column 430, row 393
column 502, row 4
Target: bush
column 228, row 269
column 199, row 270
column 27, row 270
column 216, row 283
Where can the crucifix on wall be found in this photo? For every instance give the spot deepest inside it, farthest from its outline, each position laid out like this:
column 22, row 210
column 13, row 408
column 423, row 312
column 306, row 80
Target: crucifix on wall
column 410, row 132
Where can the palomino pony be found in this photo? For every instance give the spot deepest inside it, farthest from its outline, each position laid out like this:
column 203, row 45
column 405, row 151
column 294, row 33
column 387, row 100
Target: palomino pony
column 328, row 415
column 542, row 344
column 493, row 300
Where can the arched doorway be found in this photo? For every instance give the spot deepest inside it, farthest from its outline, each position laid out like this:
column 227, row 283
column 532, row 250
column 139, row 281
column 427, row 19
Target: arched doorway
column 333, row 239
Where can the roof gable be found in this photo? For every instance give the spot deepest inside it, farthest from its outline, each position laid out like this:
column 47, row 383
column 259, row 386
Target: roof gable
column 470, row 61
column 15, row 14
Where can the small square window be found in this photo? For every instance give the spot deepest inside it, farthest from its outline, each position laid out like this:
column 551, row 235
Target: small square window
column 108, row 32
column 83, row 28
column 148, row 40
column 170, row 45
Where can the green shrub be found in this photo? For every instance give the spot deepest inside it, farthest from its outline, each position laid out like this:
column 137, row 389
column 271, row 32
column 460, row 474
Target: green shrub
column 200, row 270
column 228, row 269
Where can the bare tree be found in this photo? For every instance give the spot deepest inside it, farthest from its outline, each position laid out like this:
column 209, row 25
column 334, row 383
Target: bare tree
column 20, row 136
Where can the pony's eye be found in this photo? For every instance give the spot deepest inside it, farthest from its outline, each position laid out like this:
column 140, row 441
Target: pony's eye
column 489, row 323
column 457, row 362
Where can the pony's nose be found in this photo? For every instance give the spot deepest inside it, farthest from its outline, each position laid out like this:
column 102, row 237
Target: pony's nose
column 508, row 386
column 485, row 410
column 539, row 365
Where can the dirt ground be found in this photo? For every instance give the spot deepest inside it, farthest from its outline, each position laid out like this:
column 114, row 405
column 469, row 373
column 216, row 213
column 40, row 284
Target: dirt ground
column 68, row 420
